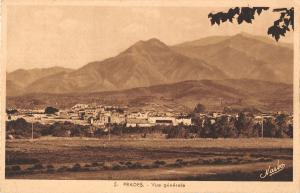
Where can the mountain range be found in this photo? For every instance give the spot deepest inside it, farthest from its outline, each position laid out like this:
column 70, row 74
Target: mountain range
column 237, row 71
column 181, row 96
column 17, row 81
column 152, row 62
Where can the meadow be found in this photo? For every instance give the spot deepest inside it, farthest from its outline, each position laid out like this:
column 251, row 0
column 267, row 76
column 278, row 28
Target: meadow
column 133, row 158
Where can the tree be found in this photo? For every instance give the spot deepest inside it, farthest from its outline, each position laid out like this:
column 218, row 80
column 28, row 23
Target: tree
column 200, row 108
column 284, row 23
column 269, row 128
column 22, row 128
column 207, row 130
column 51, row 110
column 226, row 127
column 12, row 111
column 282, row 126
column 290, row 131
column 244, row 125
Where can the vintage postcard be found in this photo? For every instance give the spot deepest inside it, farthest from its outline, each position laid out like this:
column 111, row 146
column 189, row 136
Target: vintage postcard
column 152, row 96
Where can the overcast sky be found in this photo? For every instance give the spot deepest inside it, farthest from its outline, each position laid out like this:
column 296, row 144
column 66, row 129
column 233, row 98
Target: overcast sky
column 45, row 36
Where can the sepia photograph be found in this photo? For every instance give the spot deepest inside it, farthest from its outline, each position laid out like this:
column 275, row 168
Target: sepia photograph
column 163, row 93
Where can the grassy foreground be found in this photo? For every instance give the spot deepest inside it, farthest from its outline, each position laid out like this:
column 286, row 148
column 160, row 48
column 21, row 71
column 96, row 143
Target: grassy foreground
column 147, row 159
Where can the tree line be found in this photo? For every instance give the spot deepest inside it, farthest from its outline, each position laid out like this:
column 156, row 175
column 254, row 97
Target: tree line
column 242, row 126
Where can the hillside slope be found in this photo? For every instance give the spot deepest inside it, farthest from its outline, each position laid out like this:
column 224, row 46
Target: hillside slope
column 151, row 62
column 244, row 56
column 214, row 94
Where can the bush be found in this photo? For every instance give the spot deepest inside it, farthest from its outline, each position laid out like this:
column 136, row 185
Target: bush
column 16, row 168
column 116, row 167
column 51, row 110
column 76, row 167
column 158, row 162
column 50, row 168
column 180, row 163
column 38, row 167
column 128, row 163
column 136, row 165
column 63, row 169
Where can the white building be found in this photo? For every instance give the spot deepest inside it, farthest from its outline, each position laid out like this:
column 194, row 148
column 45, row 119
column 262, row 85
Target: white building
column 138, row 123
column 184, row 121
column 117, row 118
column 138, row 115
column 162, row 120
column 80, row 106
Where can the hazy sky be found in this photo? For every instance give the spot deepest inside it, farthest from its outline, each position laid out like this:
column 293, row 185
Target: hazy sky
column 44, row 36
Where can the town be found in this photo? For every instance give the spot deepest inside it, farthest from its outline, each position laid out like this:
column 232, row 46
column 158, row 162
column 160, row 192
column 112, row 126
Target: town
column 102, row 117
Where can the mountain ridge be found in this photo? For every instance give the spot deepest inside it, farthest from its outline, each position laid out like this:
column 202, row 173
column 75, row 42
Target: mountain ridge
column 241, row 93
column 152, row 62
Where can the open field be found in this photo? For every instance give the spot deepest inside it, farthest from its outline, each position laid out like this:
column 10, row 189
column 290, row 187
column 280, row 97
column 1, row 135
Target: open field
column 147, row 159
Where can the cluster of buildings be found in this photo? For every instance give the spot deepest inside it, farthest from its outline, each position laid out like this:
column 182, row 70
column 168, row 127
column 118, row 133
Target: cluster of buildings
column 101, row 116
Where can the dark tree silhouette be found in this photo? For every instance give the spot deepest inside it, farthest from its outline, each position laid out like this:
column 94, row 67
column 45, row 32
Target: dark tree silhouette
column 12, row 111
column 247, row 14
column 200, row 108
column 51, row 110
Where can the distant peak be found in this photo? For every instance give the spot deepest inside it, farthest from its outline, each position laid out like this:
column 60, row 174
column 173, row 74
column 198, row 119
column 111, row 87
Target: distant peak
column 152, row 41
column 152, row 44
column 22, row 70
column 243, row 34
column 264, row 39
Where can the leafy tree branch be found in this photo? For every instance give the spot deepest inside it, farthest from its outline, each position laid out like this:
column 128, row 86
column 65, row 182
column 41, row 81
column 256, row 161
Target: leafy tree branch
column 247, row 14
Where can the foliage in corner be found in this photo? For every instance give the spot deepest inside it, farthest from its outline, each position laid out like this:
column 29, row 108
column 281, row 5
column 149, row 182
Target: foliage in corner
column 247, row 14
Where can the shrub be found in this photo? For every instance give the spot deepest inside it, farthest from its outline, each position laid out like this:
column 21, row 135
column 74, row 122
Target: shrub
column 50, row 110
column 38, row 166
column 50, row 168
column 179, row 160
column 63, row 169
column 158, row 162
column 136, row 165
column 16, row 168
column 116, row 167
column 76, row 167
column 128, row 163
column 180, row 163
